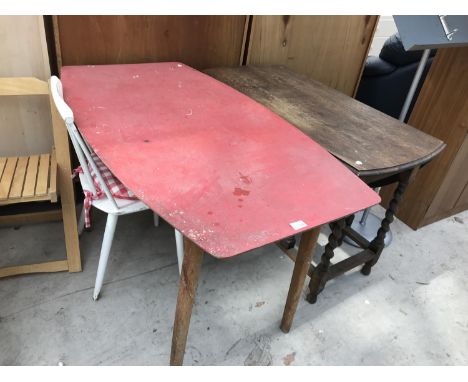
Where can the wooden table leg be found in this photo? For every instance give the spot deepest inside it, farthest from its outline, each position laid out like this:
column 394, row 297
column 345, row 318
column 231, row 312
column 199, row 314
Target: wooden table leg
column 193, row 256
column 378, row 244
column 301, row 266
column 65, row 188
column 318, row 277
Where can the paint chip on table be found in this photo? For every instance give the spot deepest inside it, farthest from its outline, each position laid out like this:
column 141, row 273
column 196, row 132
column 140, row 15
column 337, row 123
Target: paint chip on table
column 298, row 224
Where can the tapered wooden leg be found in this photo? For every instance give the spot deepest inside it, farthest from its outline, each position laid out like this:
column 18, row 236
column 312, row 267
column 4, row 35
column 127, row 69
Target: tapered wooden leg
column 301, row 266
column 65, row 188
column 193, row 256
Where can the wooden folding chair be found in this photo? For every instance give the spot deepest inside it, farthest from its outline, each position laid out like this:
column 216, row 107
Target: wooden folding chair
column 40, row 178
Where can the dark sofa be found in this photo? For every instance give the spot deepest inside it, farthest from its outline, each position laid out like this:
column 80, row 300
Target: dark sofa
column 387, row 78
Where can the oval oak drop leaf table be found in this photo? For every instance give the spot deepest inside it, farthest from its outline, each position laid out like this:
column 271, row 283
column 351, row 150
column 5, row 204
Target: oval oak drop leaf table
column 379, row 149
column 213, row 163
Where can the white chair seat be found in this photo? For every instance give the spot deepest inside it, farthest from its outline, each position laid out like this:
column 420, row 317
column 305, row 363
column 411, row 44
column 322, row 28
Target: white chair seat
column 125, row 206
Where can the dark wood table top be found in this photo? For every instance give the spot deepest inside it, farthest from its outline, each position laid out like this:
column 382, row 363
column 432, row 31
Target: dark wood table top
column 370, row 142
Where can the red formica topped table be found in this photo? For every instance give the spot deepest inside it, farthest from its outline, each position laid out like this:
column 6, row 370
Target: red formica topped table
column 227, row 172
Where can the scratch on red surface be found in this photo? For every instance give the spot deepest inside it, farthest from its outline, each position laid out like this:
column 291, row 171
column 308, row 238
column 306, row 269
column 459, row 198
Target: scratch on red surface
column 245, row 178
column 240, row 191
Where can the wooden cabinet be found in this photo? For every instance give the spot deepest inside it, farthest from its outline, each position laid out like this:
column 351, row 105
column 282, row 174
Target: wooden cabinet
column 25, row 122
column 441, row 188
column 330, row 49
column 452, row 195
column 198, row 41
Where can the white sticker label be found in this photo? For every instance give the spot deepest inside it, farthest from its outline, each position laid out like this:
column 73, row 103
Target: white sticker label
column 298, row 225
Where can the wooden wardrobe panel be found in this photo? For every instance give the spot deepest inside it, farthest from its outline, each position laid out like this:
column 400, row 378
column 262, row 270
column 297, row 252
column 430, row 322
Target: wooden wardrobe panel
column 25, row 122
column 462, row 201
column 330, row 49
column 442, row 111
column 198, row 41
column 454, row 183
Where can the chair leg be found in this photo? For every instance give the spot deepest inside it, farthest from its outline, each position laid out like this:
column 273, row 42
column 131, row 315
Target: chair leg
column 81, row 221
column 180, row 248
column 105, row 250
column 156, row 219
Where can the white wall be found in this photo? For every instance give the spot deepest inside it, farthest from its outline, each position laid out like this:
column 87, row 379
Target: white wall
column 385, row 28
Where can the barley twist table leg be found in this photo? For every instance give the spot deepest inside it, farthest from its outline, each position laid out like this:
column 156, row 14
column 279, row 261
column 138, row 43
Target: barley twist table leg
column 377, row 245
column 317, row 280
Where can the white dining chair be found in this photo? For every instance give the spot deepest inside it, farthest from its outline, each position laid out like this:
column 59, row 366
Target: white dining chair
column 101, row 196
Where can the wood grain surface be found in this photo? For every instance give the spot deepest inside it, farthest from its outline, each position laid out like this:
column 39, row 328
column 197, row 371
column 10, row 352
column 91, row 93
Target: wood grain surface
column 25, row 123
column 330, row 49
column 367, row 140
column 198, row 41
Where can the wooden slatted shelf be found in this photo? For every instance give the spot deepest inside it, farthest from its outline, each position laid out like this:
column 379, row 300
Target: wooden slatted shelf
column 28, row 179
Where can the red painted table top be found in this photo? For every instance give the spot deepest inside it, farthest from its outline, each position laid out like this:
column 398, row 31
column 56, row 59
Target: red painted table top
column 224, row 170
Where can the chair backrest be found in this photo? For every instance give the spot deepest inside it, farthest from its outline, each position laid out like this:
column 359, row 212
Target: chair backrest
column 81, row 147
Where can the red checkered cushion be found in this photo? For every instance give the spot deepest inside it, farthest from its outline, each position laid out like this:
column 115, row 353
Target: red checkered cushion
column 115, row 186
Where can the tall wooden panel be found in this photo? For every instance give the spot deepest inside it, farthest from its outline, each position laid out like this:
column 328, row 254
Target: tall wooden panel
column 25, row 122
column 330, row 49
column 198, row 41
column 441, row 110
column 450, row 196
